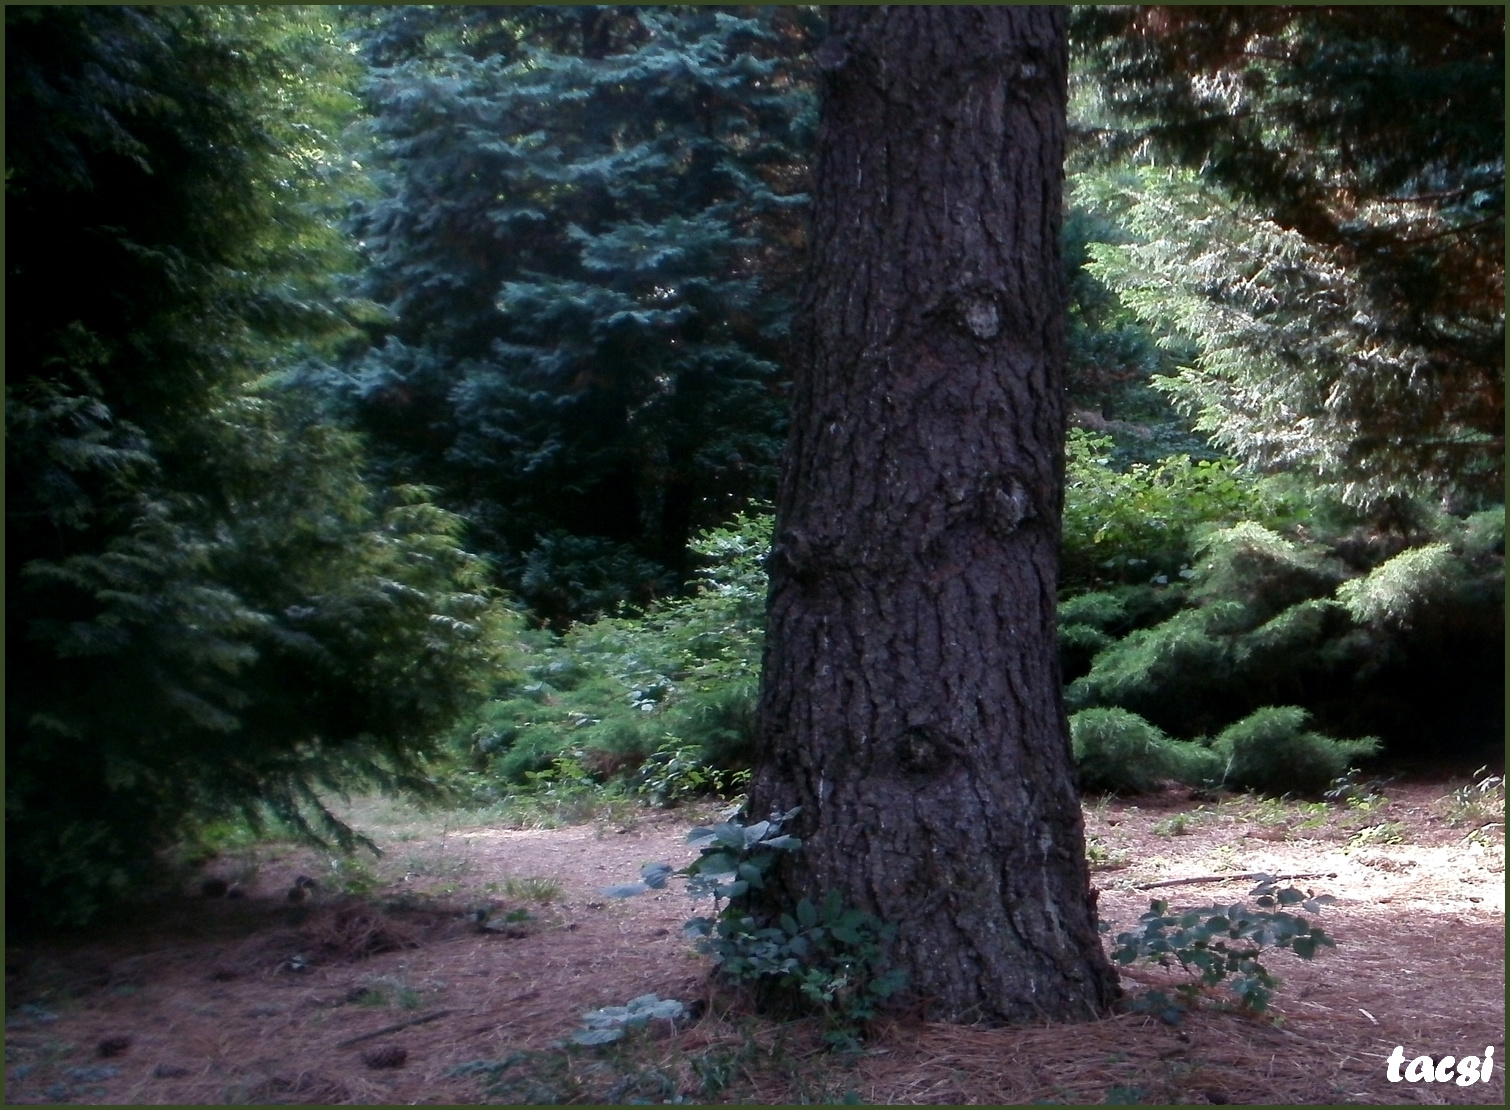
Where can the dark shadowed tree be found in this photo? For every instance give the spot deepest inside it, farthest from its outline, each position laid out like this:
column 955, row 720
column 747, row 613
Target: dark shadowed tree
column 911, row 698
column 207, row 612
column 585, row 228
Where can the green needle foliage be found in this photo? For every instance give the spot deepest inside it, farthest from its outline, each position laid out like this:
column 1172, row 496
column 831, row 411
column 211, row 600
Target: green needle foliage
column 1406, row 649
column 208, row 611
column 1331, row 234
column 587, row 232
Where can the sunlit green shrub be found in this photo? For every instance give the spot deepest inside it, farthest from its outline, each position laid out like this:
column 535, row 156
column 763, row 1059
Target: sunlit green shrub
column 1271, row 751
column 1140, row 524
column 1392, row 594
column 1119, row 751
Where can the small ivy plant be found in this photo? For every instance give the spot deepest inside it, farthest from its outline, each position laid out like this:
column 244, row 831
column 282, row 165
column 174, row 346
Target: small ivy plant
column 1217, row 944
column 732, row 858
column 831, row 955
column 611, row 1022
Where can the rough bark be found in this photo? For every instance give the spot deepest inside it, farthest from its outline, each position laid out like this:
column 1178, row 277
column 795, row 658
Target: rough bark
column 911, row 700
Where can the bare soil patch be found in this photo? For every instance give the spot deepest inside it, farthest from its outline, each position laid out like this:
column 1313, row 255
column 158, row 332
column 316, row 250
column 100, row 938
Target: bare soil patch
column 380, row 985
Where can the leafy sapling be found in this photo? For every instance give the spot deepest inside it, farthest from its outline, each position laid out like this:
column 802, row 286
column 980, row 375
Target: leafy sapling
column 1224, row 943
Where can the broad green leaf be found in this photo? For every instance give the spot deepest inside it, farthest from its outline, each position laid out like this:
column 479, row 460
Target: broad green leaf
column 807, row 913
column 625, row 890
column 782, row 843
column 656, row 874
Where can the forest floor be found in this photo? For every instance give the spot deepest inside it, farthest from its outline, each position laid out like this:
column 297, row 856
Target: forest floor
column 259, row 1000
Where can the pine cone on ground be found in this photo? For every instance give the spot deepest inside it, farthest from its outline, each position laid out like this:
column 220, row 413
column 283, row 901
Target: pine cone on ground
column 389, row 1056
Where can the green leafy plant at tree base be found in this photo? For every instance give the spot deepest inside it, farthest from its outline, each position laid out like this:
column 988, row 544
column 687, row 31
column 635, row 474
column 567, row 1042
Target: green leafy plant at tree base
column 826, row 955
column 1223, row 944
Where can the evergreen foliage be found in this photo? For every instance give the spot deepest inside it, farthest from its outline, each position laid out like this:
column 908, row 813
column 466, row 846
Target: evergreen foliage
column 1119, row 751
column 1336, row 250
column 1406, row 585
column 207, row 610
column 1270, row 751
column 1406, row 647
column 1140, row 524
column 1262, row 619
column 1113, row 356
column 241, row 497
column 588, row 225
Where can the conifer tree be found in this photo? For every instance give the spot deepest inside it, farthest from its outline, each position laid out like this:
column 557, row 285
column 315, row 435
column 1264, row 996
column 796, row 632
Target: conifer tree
column 1338, row 254
column 911, row 723
column 588, row 220
column 206, row 609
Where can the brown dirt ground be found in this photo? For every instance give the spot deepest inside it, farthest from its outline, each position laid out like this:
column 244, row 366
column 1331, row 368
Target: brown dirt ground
column 257, row 1000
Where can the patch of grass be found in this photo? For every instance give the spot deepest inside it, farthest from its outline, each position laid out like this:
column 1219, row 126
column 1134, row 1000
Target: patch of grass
column 442, row 862
column 1389, row 832
column 351, row 875
column 386, row 990
column 536, row 888
column 1178, row 825
column 1224, row 858
column 1479, row 802
column 1314, row 815
column 537, row 809
column 1271, row 813
column 1482, row 836
column 1101, row 857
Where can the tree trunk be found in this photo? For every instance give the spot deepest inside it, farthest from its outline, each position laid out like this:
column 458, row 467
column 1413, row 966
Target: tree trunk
column 911, row 699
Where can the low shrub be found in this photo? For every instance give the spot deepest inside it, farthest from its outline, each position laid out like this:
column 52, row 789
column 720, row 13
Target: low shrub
column 1271, row 751
column 1118, row 751
column 1224, row 945
column 823, row 956
column 1393, row 594
column 1138, row 524
column 675, row 686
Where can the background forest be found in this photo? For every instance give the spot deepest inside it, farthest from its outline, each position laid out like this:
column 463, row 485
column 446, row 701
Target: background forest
column 394, row 395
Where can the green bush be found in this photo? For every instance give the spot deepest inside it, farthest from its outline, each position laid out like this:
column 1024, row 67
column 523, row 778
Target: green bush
column 822, row 955
column 1483, row 533
column 1139, row 524
column 1272, row 752
column 1404, row 650
column 1090, row 623
column 1119, row 751
column 1079, row 644
column 1393, row 594
column 1260, row 569
column 1224, row 944
column 1177, row 674
column 676, row 685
